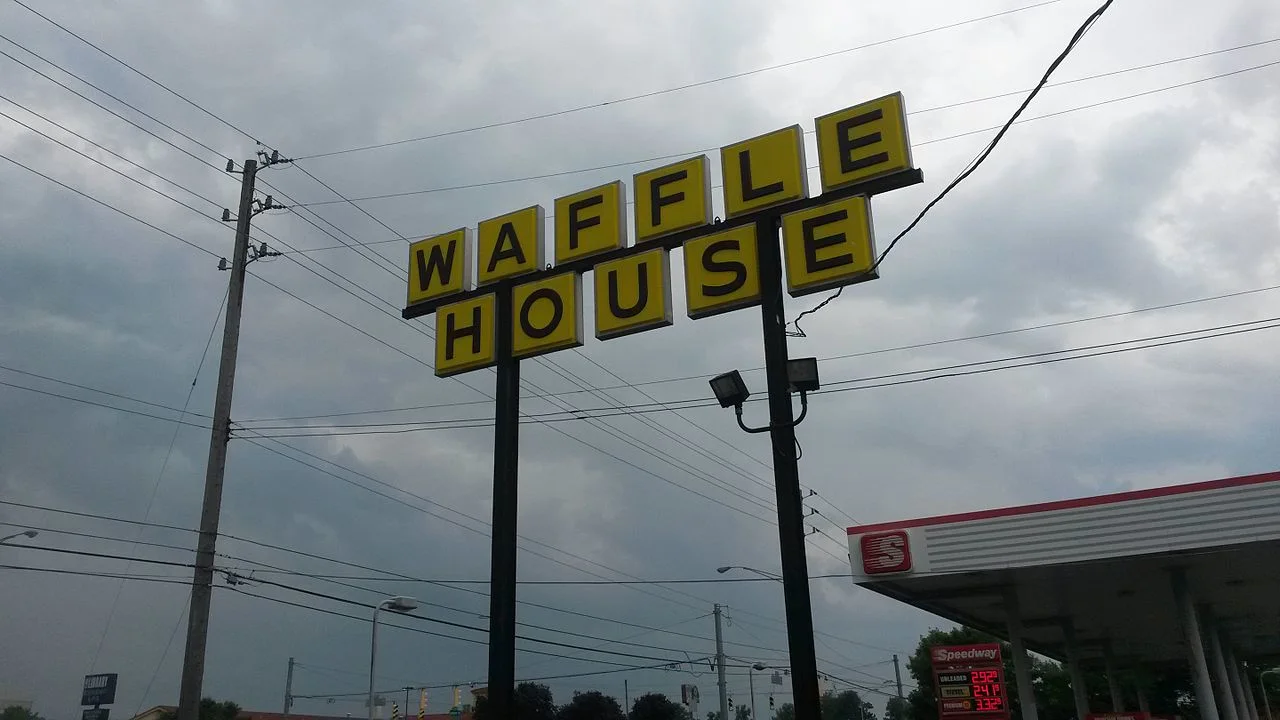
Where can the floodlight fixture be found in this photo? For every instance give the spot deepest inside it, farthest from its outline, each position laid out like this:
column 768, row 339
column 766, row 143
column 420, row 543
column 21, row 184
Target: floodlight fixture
column 730, row 389
column 802, row 373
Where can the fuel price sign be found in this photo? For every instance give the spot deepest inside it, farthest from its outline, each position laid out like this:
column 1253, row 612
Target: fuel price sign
column 969, row 681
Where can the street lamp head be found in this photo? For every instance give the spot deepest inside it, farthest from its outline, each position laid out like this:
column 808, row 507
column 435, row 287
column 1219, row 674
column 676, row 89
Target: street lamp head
column 730, row 389
column 760, row 666
column 400, row 603
column 802, row 373
column 725, row 569
column 31, row 533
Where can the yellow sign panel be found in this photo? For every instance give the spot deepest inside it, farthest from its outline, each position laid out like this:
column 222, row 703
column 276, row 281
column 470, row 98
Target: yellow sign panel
column 828, row 245
column 672, row 198
column 633, row 294
column 590, row 222
column 439, row 266
column 862, row 142
column 546, row 315
column 510, row 245
column 954, row 691
column 465, row 335
column 722, row 272
column 764, row 171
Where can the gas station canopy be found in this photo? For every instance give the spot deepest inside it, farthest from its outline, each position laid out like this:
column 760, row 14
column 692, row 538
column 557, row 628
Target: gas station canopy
column 1108, row 578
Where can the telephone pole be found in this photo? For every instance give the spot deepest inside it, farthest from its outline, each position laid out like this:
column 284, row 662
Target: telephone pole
column 211, row 509
column 288, row 689
column 724, row 692
column 897, row 675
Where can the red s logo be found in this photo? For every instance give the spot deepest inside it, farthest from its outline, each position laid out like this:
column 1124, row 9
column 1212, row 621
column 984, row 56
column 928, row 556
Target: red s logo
column 887, row 552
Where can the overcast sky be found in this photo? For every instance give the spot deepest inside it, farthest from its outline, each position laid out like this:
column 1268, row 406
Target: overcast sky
column 1163, row 198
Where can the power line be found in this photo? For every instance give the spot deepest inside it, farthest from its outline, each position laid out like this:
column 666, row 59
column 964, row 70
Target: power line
column 314, row 593
column 163, row 579
column 101, row 556
column 164, row 140
column 687, row 86
column 179, row 202
column 96, row 390
column 96, row 536
column 863, row 353
column 302, row 553
column 112, row 208
column 255, row 572
column 828, row 386
column 470, row 528
column 1049, row 361
column 73, row 34
column 98, row 404
column 669, row 156
column 976, row 162
column 155, row 487
column 667, row 581
column 461, row 626
column 103, row 148
column 94, row 516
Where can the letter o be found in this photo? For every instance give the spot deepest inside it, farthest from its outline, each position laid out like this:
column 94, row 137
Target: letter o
column 557, row 313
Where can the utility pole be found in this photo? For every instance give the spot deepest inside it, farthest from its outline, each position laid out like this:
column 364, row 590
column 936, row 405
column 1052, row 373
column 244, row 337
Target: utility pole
column 211, row 509
column 897, row 675
column 724, row 692
column 751, row 688
column 288, row 689
column 626, row 697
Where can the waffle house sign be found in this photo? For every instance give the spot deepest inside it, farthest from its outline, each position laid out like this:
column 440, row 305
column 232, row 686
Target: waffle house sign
column 505, row 287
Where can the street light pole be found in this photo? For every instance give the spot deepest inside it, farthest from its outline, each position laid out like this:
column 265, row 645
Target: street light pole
column 762, row 573
column 398, row 604
column 24, row 533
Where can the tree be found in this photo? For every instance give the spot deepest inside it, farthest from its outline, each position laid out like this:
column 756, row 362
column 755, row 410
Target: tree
column 532, row 702
column 17, row 712
column 847, row 705
column 742, row 712
column 656, row 706
column 922, row 700
column 786, row 711
column 897, row 709
column 210, row 709
column 593, row 705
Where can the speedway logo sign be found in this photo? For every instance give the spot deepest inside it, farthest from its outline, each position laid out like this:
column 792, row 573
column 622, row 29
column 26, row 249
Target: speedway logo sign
column 463, row 275
column 985, row 654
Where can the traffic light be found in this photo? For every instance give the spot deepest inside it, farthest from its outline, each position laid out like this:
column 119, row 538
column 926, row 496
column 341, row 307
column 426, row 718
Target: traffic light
column 771, row 701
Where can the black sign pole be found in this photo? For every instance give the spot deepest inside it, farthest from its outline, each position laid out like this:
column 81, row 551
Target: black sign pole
column 786, row 475
column 502, row 570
